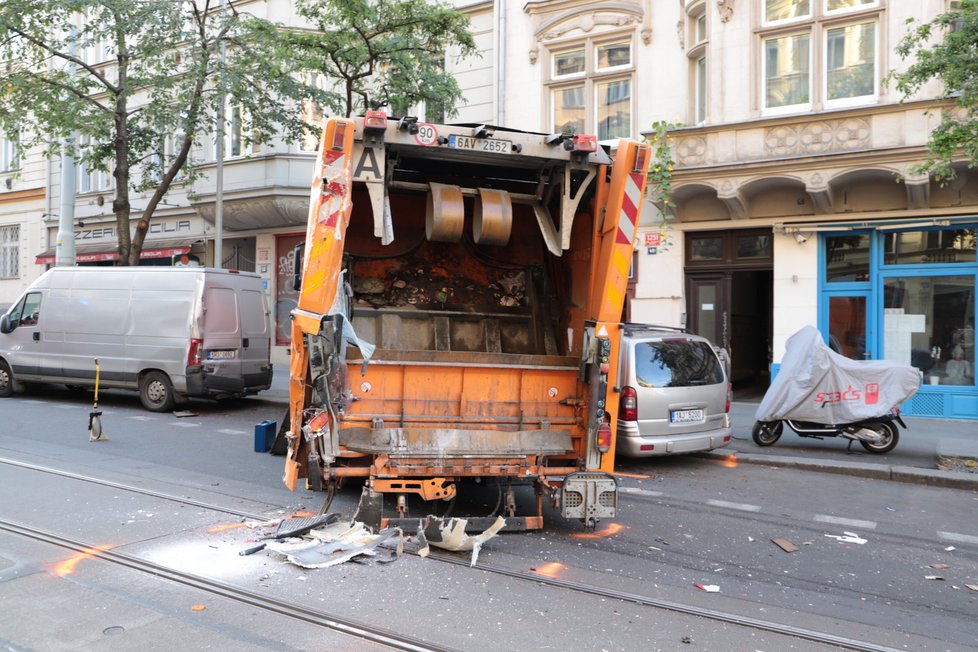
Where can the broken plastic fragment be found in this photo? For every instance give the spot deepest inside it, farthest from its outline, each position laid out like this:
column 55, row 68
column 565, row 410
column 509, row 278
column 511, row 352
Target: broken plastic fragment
column 709, row 588
column 849, row 537
column 451, row 535
column 933, row 577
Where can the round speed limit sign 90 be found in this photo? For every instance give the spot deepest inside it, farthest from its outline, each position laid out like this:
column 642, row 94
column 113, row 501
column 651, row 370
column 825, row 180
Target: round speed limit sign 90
column 427, row 134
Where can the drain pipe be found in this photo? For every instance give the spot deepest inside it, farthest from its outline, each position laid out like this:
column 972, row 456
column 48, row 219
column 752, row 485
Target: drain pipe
column 501, row 63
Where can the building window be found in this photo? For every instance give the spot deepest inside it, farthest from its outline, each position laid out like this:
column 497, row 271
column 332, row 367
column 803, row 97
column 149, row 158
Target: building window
column 787, row 73
column 590, row 88
column 90, row 179
column 850, row 62
column 699, row 75
column 9, row 155
column 930, row 247
column 778, row 11
column 929, row 322
column 238, row 142
column 818, row 64
column 9, row 251
column 847, row 258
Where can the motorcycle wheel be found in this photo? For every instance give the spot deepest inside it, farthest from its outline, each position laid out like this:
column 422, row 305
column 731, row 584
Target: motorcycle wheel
column 766, row 433
column 891, row 435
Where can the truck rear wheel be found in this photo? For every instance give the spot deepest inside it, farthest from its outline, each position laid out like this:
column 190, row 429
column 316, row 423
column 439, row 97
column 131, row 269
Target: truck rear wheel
column 156, row 392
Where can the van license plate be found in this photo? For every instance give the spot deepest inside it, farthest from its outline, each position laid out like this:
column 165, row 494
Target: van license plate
column 480, row 144
column 220, row 355
column 686, row 416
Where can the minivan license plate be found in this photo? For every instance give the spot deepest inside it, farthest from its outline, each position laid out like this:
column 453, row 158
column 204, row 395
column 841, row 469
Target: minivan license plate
column 686, row 416
column 220, row 355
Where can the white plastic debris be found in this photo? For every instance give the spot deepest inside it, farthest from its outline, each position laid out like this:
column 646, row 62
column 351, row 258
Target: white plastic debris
column 451, row 535
column 847, row 537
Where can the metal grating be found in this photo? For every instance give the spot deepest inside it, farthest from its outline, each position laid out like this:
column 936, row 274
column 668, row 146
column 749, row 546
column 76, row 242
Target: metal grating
column 927, row 405
column 573, row 499
column 607, row 499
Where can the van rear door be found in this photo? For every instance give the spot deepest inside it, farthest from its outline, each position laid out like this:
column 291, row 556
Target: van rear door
column 255, row 337
column 222, row 340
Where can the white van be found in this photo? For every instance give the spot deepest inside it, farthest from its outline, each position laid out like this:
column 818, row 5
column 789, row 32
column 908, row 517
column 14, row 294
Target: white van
column 168, row 332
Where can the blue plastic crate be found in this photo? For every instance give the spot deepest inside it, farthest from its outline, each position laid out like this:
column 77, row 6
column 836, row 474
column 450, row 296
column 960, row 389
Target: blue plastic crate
column 264, row 435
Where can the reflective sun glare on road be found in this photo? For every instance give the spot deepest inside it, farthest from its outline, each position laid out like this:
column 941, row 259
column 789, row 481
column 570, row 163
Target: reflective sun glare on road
column 67, row 567
column 551, row 569
column 609, row 530
column 225, row 527
column 730, row 461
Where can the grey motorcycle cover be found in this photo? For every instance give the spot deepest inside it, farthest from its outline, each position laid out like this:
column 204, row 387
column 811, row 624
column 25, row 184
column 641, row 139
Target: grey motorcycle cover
column 817, row 384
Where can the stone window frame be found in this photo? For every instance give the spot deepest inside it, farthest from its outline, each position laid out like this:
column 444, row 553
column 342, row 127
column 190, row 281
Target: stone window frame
column 591, row 76
column 697, row 51
column 817, row 25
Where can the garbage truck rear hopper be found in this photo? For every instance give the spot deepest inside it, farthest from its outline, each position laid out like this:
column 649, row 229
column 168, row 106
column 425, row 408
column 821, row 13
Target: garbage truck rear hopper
column 458, row 317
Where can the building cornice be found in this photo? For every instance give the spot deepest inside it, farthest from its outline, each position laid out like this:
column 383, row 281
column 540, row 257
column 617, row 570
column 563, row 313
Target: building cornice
column 22, row 195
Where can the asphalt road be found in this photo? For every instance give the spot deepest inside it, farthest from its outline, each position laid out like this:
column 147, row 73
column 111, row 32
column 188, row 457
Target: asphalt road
column 683, row 521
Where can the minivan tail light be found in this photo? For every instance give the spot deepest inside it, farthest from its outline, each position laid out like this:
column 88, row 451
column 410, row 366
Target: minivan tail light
column 604, row 438
column 628, row 406
column 729, row 396
column 194, row 354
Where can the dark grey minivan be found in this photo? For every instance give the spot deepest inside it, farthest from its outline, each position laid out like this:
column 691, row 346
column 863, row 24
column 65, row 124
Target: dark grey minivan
column 675, row 394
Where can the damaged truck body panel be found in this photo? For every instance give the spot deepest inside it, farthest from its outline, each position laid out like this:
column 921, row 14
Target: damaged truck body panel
column 458, row 316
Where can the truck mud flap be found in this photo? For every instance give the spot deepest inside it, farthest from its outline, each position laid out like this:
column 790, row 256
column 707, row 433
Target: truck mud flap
column 589, row 496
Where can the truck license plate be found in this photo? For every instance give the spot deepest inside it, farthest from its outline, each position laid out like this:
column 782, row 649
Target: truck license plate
column 220, row 355
column 686, row 416
column 480, row 144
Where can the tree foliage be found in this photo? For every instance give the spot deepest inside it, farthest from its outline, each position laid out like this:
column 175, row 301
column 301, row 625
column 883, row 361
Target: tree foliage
column 383, row 53
column 946, row 49
column 136, row 82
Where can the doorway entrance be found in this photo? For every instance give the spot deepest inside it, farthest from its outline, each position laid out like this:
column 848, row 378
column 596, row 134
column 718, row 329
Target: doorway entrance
column 729, row 297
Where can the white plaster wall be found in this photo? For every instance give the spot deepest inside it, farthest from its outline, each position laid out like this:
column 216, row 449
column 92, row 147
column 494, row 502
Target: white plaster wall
column 476, row 74
column 795, row 288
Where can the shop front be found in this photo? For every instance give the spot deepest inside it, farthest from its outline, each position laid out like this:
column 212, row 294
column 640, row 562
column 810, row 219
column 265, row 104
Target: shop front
column 907, row 295
column 168, row 242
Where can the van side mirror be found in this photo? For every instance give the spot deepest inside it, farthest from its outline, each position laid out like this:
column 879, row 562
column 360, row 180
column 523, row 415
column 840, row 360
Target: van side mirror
column 297, row 266
column 5, row 325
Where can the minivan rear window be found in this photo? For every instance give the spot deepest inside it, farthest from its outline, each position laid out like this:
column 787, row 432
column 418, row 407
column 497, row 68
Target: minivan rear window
column 676, row 363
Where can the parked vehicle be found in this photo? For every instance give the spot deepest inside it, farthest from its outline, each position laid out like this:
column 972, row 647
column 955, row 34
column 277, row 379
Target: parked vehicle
column 170, row 333
column 820, row 393
column 489, row 266
column 877, row 435
column 675, row 395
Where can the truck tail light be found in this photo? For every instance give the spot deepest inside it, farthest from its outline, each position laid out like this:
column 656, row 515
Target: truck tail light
column 375, row 120
column 729, row 396
column 604, row 438
column 641, row 157
column 628, row 407
column 195, row 352
column 339, row 136
column 585, row 143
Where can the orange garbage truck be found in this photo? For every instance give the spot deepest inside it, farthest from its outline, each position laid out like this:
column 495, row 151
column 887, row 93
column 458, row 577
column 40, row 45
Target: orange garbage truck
column 460, row 299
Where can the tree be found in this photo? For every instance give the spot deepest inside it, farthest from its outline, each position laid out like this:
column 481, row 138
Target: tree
column 383, row 53
column 946, row 49
column 136, row 82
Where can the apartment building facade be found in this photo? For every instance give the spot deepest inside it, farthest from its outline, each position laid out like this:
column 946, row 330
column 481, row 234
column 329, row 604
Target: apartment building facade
column 794, row 200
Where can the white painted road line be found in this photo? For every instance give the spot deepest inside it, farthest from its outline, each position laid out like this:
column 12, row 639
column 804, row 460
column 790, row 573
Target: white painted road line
column 640, row 492
column 849, row 522
column 231, row 431
column 739, row 506
column 958, row 538
column 184, row 424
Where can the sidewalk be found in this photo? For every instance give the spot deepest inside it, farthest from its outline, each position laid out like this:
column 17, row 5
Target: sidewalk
column 913, row 460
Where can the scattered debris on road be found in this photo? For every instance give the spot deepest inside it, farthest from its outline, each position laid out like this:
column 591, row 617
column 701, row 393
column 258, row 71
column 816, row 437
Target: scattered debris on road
column 184, row 413
column 848, row 537
column 784, row 544
column 709, row 588
column 450, row 535
column 973, row 587
column 938, row 566
column 933, row 577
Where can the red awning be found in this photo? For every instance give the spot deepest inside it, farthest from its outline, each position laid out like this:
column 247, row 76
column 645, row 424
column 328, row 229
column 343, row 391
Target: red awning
column 95, row 253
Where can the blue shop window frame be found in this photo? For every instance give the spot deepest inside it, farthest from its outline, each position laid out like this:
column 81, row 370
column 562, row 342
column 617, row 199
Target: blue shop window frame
column 941, row 401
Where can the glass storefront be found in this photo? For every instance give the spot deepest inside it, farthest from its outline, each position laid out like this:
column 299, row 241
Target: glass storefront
column 908, row 296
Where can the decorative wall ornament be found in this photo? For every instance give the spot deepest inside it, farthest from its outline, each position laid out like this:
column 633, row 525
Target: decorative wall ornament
column 817, row 137
column 725, row 7
column 681, row 31
column 646, row 35
column 691, row 150
column 534, row 53
column 586, row 22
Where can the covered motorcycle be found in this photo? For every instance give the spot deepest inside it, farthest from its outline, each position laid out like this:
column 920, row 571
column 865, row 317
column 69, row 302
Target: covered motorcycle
column 820, row 393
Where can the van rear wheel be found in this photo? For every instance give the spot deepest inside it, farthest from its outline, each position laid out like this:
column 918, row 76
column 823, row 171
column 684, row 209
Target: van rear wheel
column 156, row 392
column 6, row 380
